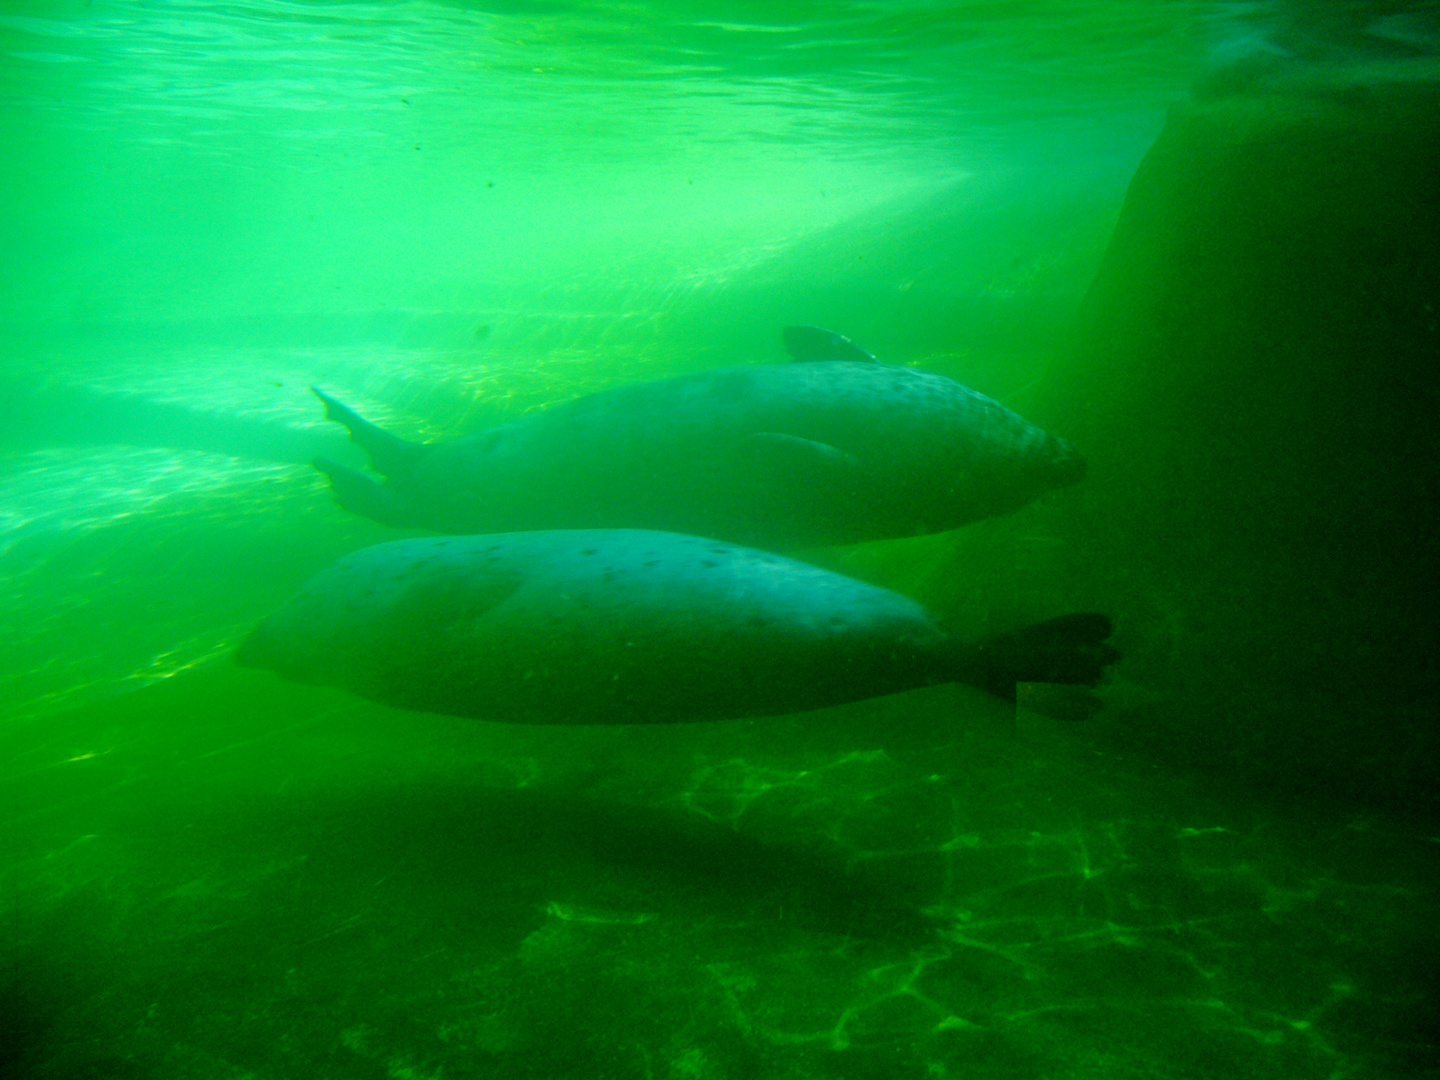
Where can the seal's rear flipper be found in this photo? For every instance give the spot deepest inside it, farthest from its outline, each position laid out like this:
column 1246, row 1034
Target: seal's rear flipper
column 359, row 494
column 389, row 454
column 1070, row 651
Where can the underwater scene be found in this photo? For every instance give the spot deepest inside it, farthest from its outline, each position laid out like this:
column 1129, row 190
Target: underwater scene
column 719, row 540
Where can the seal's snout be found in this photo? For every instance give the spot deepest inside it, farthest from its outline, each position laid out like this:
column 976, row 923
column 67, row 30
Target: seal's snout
column 1068, row 466
column 246, row 653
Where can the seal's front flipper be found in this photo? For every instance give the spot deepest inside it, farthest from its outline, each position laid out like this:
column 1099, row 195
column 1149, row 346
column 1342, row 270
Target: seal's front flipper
column 359, row 494
column 389, row 454
column 809, row 343
column 792, row 456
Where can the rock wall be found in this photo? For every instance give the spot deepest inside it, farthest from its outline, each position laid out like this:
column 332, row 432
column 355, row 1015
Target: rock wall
column 1253, row 379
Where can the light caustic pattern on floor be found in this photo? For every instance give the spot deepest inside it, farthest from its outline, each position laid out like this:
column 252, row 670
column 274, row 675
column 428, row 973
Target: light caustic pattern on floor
column 715, row 902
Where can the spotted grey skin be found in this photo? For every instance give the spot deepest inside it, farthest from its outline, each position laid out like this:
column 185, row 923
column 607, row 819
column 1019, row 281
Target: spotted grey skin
column 630, row 626
column 818, row 452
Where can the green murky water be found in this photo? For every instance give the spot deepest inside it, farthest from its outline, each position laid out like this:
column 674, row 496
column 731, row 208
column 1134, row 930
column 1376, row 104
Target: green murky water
column 458, row 213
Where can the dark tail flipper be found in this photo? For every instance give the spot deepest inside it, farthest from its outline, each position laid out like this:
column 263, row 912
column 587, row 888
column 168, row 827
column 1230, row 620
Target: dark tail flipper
column 1069, row 653
column 361, row 495
column 389, row 454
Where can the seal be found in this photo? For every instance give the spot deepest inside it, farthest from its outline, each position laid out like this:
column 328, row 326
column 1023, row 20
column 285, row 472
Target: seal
column 633, row 626
column 835, row 448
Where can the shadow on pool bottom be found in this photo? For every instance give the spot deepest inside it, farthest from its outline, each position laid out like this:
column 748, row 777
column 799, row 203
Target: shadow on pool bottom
column 369, row 894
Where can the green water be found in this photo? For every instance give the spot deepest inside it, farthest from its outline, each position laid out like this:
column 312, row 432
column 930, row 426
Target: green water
column 456, row 213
